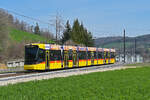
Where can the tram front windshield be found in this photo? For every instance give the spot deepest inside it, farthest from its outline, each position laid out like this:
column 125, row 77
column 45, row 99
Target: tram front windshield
column 31, row 53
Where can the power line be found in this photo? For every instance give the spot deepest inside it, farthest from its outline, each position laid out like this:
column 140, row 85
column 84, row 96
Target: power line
column 31, row 18
column 58, row 23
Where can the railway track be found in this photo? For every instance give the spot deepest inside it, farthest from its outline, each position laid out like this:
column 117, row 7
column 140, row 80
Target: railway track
column 24, row 77
column 11, row 70
column 10, row 74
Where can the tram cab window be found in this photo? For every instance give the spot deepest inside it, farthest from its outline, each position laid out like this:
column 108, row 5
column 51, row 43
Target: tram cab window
column 82, row 54
column 55, row 55
column 41, row 55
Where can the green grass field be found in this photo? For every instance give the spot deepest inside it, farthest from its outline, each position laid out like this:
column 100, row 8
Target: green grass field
column 20, row 36
column 129, row 84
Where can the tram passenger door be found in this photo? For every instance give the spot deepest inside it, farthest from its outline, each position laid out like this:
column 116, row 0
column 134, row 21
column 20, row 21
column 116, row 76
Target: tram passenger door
column 108, row 57
column 74, row 58
column 104, row 61
column 86, row 58
column 66, row 59
column 47, row 59
column 92, row 58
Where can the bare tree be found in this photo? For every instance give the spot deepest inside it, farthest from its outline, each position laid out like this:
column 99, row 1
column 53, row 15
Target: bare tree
column 47, row 34
column 3, row 33
column 57, row 22
column 23, row 26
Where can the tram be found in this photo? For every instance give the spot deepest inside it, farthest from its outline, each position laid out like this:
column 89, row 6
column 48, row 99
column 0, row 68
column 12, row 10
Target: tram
column 40, row 56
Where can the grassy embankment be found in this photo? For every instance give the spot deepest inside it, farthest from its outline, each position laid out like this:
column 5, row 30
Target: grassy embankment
column 128, row 84
column 117, row 45
column 20, row 36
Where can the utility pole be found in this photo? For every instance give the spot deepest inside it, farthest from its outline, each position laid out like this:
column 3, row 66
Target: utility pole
column 119, row 54
column 56, row 27
column 124, row 41
column 57, row 22
column 135, row 51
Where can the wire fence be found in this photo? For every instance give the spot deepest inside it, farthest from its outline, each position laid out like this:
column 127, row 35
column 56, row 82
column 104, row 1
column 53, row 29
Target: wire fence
column 12, row 66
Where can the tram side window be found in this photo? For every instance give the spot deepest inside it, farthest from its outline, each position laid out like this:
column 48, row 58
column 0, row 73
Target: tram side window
column 95, row 55
column 100, row 55
column 82, row 54
column 89, row 54
column 112, row 55
column 41, row 55
column 55, row 55
column 70, row 54
column 106, row 54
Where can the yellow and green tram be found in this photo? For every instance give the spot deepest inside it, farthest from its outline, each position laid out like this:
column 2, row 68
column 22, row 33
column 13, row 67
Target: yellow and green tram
column 40, row 56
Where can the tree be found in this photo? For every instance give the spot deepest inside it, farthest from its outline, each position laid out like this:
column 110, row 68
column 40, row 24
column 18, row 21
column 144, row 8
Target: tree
column 23, row 26
column 83, row 34
column 47, row 34
column 90, row 41
column 4, row 38
column 37, row 29
column 10, row 19
column 75, row 33
column 80, row 35
column 17, row 24
column 66, row 34
column 86, row 37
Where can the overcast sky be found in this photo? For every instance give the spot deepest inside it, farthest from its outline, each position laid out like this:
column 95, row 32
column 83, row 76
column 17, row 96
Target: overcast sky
column 101, row 17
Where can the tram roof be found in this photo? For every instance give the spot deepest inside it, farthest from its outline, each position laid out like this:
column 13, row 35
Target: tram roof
column 113, row 50
column 68, row 47
column 65, row 47
column 91, row 48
